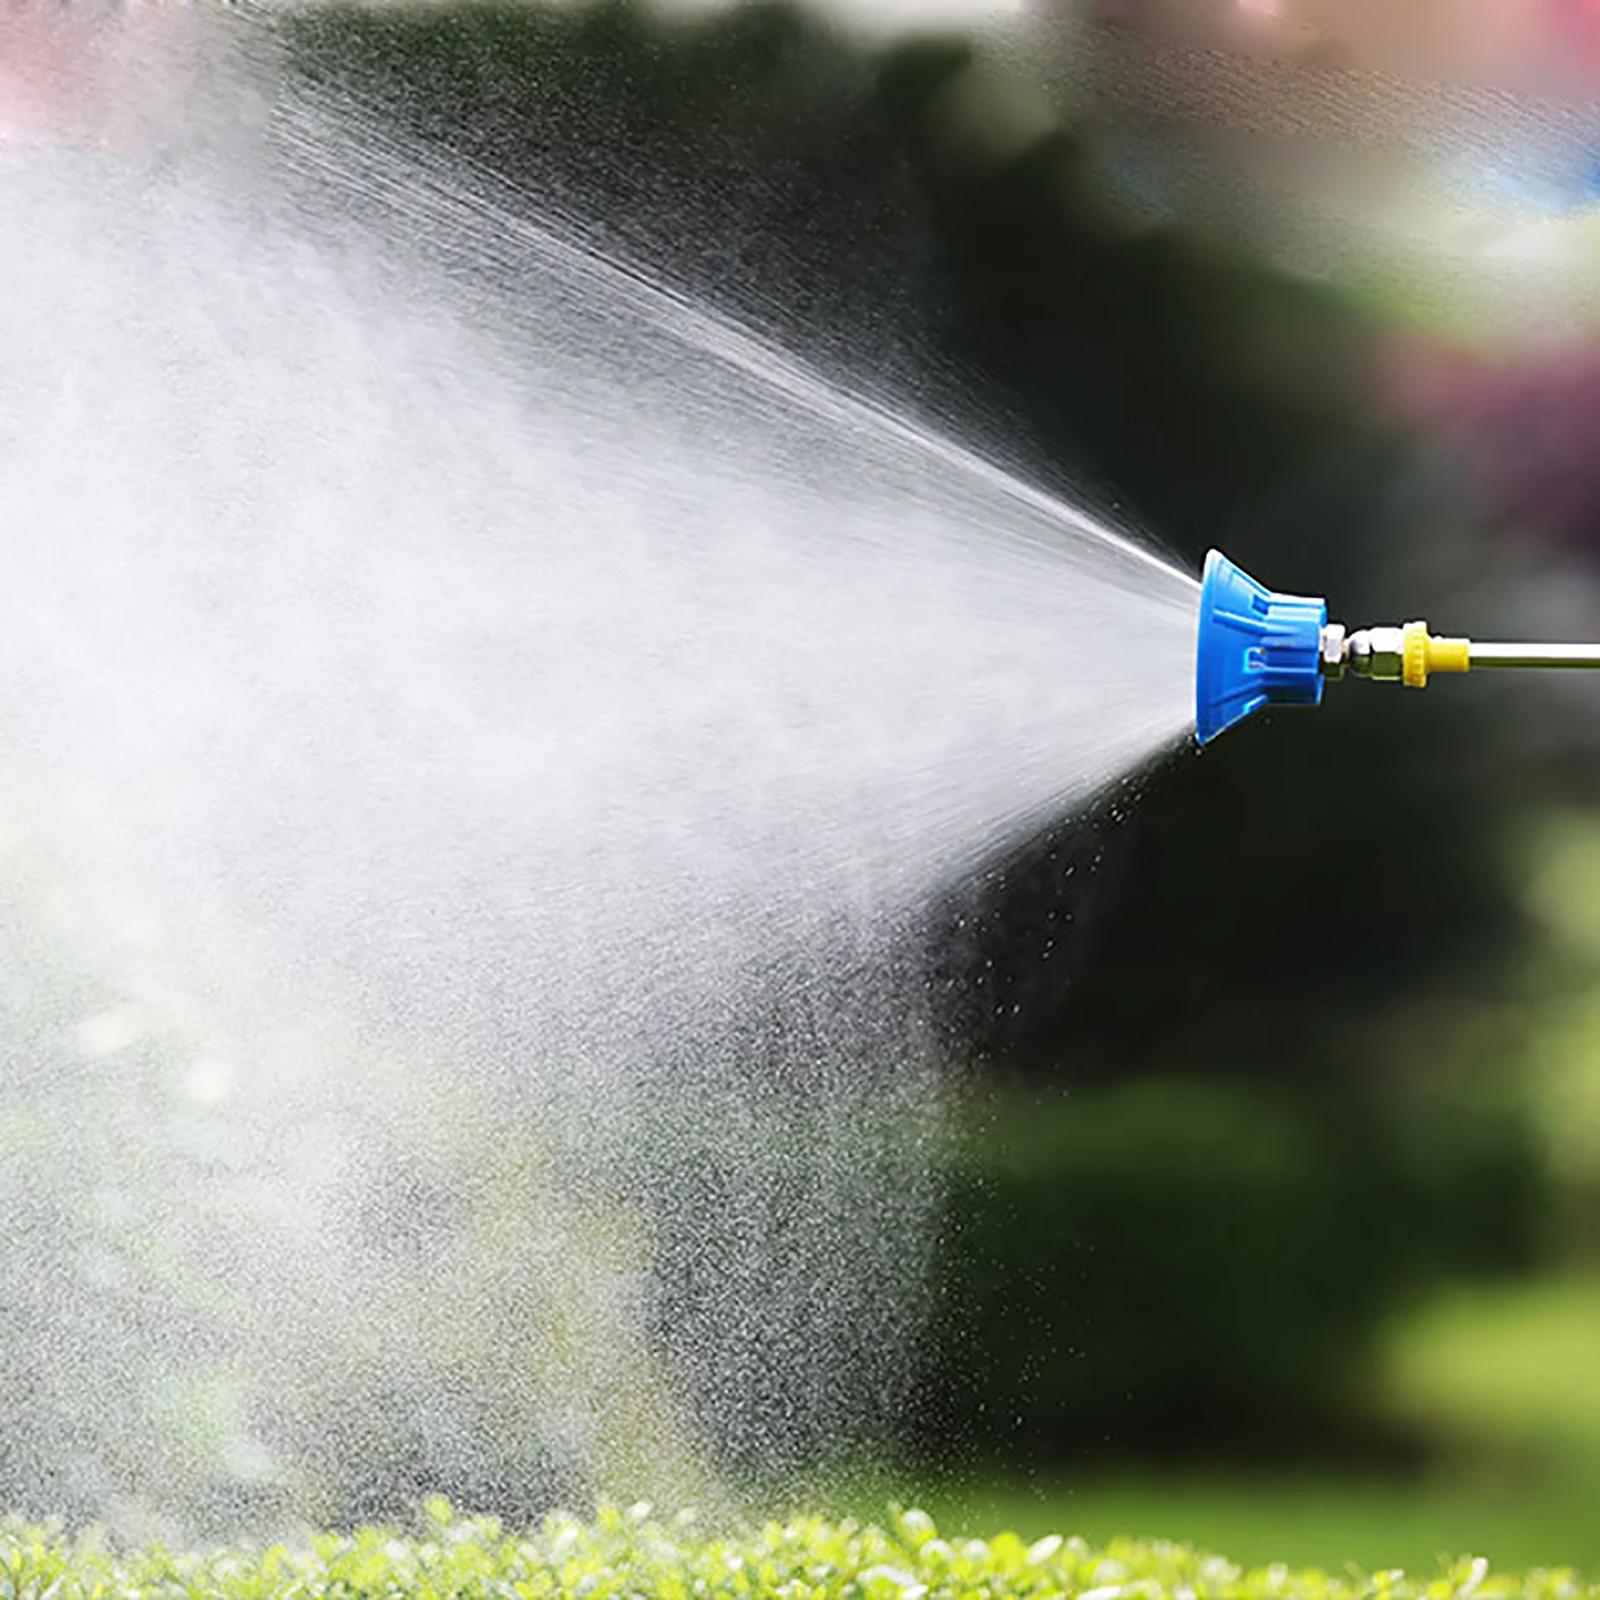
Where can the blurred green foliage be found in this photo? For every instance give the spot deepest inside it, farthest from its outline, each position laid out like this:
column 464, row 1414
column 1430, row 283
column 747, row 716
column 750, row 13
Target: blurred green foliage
column 1198, row 1262
column 1506, row 1370
column 1175, row 1262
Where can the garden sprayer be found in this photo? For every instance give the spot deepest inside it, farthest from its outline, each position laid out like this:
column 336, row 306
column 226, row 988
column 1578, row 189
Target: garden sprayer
column 1259, row 648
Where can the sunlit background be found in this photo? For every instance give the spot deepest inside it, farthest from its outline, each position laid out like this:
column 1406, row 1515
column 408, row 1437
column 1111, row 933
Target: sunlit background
column 1271, row 1211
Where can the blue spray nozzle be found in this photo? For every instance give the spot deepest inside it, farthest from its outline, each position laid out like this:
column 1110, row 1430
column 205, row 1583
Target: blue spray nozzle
column 1256, row 648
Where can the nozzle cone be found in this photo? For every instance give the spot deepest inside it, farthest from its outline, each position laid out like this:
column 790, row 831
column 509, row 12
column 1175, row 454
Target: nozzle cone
column 1256, row 648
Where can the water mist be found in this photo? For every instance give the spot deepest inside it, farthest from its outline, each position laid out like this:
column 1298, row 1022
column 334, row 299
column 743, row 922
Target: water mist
column 479, row 735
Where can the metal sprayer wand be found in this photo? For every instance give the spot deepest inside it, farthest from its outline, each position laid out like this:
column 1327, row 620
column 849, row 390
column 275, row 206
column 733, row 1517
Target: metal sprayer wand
column 1409, row 655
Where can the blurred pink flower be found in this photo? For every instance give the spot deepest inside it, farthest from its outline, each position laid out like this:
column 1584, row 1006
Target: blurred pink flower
column 47, row 71
column 76, row 72
column 1524, row 430
column 1525, row 44
column 1575, row 30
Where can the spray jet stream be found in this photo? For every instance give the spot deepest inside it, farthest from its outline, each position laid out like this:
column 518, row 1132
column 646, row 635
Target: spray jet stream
column 1258, row 648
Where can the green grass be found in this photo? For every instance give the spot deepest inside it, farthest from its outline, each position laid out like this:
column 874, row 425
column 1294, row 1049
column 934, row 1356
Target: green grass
column 627, row 1554
column 1327, row 1522
column 1508, row 1378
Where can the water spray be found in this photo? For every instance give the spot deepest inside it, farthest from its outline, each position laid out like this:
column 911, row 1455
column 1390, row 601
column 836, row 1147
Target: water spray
column 1259, row 648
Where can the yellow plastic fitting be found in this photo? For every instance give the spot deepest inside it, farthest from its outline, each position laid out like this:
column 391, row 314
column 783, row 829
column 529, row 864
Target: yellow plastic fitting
column 1422, row 654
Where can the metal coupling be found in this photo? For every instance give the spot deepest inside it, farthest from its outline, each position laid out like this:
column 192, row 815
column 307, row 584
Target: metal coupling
column 1332, row 649
column 1377, row 653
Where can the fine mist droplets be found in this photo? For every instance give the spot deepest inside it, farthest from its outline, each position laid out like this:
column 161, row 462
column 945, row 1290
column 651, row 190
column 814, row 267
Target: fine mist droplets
column 495, row 729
